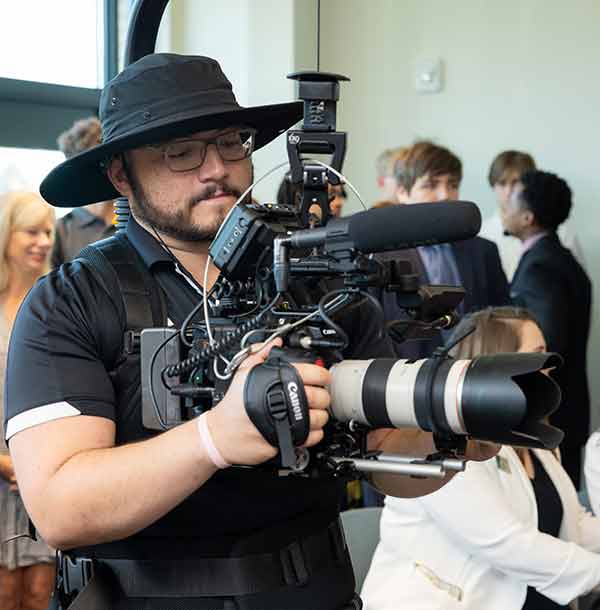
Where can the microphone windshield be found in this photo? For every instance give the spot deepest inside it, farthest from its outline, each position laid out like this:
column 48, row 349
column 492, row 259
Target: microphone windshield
column 410, row 225
column 395, row 228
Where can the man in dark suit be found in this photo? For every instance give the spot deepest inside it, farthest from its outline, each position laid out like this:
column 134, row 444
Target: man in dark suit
column 553, row 286
column 431, row 173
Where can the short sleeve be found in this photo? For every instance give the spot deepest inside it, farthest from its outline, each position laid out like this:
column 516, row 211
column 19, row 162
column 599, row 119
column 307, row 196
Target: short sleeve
column 65, row 341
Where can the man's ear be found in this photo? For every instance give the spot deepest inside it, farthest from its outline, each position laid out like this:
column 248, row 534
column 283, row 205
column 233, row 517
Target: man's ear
column 118, row 177
column 402, row 195
column 529, row 218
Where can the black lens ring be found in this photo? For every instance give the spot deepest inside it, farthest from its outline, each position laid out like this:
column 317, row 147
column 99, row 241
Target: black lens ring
column 428, row 410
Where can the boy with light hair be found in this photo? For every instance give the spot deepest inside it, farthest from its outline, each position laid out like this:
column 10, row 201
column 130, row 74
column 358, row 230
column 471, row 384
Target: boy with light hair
column 503, row 176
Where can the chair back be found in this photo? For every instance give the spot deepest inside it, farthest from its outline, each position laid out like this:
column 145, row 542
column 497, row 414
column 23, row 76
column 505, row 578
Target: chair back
column 361, row 526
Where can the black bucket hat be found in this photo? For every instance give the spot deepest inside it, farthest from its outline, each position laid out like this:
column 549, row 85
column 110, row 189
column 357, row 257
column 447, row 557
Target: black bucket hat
column 159, row 97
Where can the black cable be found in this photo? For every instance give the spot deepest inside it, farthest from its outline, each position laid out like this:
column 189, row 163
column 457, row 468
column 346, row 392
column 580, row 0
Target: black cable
column 191, row 315
column 272, row 303
column 338, row 329
column 379, row 311
column 220, row 347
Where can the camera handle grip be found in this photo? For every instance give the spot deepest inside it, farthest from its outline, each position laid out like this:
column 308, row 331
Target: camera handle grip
column 276, row 403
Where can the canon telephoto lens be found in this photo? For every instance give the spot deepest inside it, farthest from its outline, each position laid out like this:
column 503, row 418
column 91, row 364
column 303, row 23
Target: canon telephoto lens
column 504, row 398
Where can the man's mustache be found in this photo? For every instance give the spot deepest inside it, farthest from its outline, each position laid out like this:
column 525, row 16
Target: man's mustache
column 213, row 189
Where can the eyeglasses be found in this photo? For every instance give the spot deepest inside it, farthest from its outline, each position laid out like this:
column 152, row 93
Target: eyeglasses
column 186, row 155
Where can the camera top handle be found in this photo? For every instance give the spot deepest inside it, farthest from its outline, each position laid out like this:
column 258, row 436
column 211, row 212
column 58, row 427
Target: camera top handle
column 320, row 92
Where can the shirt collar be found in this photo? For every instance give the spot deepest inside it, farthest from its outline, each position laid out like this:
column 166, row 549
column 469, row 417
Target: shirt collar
column 531, row 241
column 148, row 247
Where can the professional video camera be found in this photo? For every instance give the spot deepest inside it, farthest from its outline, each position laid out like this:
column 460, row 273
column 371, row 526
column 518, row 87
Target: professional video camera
column 274, row 259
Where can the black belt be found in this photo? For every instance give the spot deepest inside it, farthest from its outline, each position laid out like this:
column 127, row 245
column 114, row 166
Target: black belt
column 207, row 577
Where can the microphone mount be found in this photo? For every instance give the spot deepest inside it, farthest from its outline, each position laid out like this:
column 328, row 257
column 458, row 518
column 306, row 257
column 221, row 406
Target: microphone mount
column 320, row 92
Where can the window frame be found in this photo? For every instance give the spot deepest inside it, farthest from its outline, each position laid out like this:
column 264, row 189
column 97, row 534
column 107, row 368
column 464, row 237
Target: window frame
column 34, row 114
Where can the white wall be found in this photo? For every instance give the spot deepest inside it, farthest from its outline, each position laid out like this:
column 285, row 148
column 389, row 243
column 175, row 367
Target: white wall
column 519, row 74
column 254, row 41
column 216, row 29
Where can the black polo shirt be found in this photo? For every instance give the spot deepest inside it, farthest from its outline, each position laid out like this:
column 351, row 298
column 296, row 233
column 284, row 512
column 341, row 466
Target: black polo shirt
column 65, row 344
column 68, row 334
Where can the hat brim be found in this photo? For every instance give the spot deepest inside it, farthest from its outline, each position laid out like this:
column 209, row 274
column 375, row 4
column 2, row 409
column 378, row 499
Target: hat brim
column 81, row 180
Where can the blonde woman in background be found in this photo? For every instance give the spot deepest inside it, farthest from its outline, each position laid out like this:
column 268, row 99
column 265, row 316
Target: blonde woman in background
column 506, row 534
column 26, row 237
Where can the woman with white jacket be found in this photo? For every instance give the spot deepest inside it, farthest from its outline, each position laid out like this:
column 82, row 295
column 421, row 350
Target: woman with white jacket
column 592, row 471
column 507, row 534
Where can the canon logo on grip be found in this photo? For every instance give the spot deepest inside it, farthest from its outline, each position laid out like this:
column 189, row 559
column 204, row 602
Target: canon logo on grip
column 295, row 400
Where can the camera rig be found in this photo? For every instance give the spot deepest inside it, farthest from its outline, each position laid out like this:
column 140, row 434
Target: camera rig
column 292, row 271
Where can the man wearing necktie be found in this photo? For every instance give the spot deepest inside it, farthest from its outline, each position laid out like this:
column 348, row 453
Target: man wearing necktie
column 431, row 173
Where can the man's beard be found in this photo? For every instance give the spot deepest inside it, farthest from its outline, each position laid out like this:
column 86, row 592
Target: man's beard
column 175, row 224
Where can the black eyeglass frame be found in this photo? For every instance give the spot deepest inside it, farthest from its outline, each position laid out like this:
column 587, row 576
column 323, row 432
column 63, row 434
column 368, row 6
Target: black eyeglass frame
column 247, row 149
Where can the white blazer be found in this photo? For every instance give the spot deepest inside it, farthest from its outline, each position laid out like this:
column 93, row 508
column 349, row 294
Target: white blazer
column 592, row 470
column 475, row 545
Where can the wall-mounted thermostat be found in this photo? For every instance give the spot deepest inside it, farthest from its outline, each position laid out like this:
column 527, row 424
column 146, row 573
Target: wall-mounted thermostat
column 428, row 75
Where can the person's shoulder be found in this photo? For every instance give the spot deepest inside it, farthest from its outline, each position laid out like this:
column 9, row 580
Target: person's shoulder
column 593, row 443
column 76, row 271
column 69, row 218
column 74, row 285
column 551, row 263
column 549, row 248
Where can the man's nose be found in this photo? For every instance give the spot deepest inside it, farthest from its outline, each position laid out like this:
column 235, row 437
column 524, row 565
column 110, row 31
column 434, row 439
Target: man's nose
column 442, row 193
column 213, row 167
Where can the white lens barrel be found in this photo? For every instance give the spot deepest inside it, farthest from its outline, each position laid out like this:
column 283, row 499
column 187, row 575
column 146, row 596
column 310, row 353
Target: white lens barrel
column 389, row 393
column 400, row 393
column 453, row 388
column 502, row 398
column 346, row 390
column 356, row 397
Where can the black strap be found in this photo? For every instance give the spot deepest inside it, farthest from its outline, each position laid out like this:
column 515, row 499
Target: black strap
column 212, row 576
column 120, row 268
column 276, row 403
column 97, row 594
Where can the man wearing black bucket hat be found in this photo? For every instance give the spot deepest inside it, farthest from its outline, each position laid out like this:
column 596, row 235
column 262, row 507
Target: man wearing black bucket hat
column 160, row 519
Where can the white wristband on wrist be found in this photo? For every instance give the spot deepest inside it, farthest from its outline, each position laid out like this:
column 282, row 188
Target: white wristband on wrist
column 214, row 455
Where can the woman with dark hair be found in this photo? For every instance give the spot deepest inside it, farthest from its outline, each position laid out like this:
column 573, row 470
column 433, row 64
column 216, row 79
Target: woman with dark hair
column 506, row 534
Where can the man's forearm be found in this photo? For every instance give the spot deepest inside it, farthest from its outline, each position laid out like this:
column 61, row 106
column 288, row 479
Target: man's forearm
column 106, row 494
